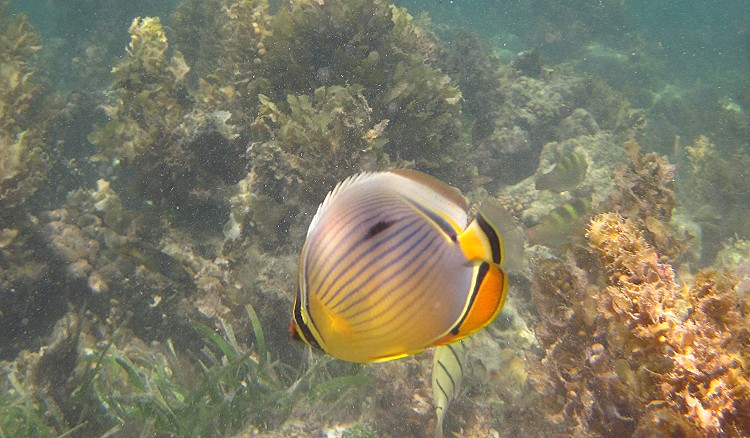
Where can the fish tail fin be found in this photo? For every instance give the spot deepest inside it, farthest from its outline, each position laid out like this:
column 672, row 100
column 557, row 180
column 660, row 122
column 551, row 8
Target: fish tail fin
column 440, row 419
column 481, row 241
column 447, row 378
column 509, row 232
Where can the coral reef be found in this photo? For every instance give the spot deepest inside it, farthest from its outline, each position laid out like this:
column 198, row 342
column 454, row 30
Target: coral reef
column 660, row 359
column 644, row 193
column 28, row 303
column 144, row 109
column 23, row 157
column 147, row 291
column 525, row 123
column 714, row 180
column 377, row 48
column 178, row 156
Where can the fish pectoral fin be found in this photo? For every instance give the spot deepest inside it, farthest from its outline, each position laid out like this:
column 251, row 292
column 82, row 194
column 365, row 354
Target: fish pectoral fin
column 329, row 323
column 338, row 324
column 481, row 241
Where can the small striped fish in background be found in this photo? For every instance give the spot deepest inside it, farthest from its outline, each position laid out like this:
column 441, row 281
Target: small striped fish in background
column 557, row 226
column 566, row 174
column 392, row 265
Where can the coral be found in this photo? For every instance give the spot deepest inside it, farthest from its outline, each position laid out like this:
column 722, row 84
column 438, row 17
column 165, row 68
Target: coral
column 109, row 203
column 527, row 120
column 714, row 179
column 146, row 101
column 22, row 169
column 468, row 60
column 75, row 237
column 334, row 128
column 376, row 47
column 235, row 32
column 24, row 161
column 304, row 94
column 27, row 110
column 34, row 384
column 660, row 359
column 690, row 343
column 178, row 152
column 644, row 193
column 579, row 122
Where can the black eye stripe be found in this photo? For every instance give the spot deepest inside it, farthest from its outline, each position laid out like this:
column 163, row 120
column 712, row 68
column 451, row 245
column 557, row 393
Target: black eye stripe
column 304, row 330
column 378, row 228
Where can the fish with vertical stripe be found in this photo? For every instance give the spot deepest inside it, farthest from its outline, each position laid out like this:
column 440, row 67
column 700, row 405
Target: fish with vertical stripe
column 392, row 265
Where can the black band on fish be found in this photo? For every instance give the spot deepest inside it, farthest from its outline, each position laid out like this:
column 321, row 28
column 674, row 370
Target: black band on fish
column 489, row 231
column 304, row 330
column 455, row 357
column 450, row 377
column 378, row 228
column 439, row 221
column 483, row 269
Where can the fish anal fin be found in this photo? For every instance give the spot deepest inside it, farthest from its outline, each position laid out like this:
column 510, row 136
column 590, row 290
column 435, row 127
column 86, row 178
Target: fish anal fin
column 392, row 357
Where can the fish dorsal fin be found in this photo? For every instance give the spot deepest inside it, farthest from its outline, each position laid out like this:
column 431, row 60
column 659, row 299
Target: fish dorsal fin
column 450, row 193
column 340, row 187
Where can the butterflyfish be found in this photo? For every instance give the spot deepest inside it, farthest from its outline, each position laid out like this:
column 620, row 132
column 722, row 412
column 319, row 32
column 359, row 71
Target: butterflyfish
column 447, row 378
column 392, row 265
column 566, row 174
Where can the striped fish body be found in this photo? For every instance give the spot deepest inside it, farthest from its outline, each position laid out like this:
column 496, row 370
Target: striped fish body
column 447, row 378
column 390, row 268
column 555, row 228
column 565, row 175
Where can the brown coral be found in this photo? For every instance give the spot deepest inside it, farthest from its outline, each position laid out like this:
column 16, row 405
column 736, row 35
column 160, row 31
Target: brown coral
column 639, row 354
column 644, row 193
column 688, row 346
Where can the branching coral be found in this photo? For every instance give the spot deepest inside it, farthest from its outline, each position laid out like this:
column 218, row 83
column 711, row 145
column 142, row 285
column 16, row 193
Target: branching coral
column 659, row 359
column 644, row 193
column 689, row 346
